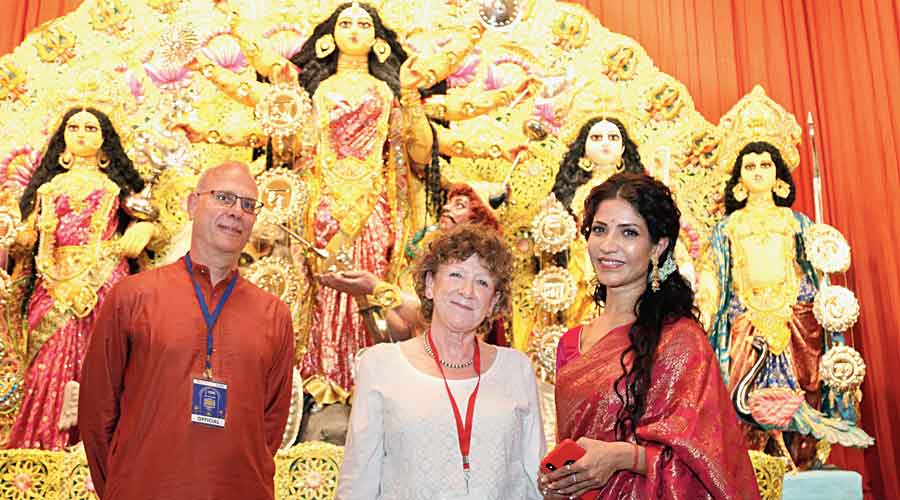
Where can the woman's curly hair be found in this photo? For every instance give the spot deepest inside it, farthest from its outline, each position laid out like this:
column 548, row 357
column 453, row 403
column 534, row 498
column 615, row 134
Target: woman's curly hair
column 675, row 299
column 458, row 244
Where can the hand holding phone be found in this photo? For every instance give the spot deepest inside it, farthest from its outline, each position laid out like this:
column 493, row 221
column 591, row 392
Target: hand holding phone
column 566, row 453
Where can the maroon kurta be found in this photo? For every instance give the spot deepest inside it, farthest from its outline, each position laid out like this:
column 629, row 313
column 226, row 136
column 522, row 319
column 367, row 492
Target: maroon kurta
column 694, row 444
column 135, row 402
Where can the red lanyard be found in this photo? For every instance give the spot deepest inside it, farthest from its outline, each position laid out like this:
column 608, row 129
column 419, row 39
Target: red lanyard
column 464, row 432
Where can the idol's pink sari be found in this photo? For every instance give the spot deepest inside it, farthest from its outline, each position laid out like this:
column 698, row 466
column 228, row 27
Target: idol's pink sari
column 694, row 444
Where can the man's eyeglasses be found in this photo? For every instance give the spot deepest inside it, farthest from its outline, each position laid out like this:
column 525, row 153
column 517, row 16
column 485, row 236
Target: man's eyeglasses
column 228, row 199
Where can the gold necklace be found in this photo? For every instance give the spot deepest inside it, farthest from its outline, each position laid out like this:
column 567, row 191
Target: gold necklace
column 455, row 366
column 353, row 63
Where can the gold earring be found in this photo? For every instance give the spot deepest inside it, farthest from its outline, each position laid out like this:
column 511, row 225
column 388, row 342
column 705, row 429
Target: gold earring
column 324, row 46
column 66, row 159
column 382, row 50
column 586, row 165
column 782, row 189
column 739, row 192
column 654, row 275
column 102, row 159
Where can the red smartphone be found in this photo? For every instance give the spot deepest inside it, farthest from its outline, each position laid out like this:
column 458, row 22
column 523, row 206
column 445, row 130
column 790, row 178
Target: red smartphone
column 566, row 453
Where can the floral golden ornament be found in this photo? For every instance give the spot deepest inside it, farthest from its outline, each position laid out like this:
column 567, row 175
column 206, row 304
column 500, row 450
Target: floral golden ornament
column 781, row 189
column 586, row 164
column 386, row 295
column 324, row 46
column 276, row 276
column 66, row 159
column 92, row 89
column 283, row 195
column 620, row 63
column 499, row 14
column 599, row 98
column 542, row 351
column 843, row 369
column 102, row 159
column 283, row 110
column 382, row 50
column 553, row 228
column 10, row 219
column 826, row 249
column 769, row 473
column 757, row 118
column 836, row 308
column 178, row 46
column 739, row 192
column 554, row 289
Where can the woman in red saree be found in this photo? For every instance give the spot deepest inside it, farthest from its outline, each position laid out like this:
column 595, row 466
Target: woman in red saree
column 639, row 387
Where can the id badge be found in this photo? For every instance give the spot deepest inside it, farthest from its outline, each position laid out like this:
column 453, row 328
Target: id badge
column 208, row 402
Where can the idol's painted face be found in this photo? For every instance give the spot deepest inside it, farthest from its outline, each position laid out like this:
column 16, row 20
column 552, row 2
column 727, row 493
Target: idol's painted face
column 354, row 32
column 604, row 144
column 620, row 246
column 464, row 294
column 83, row 135
column 758, row 172
column 457, row 210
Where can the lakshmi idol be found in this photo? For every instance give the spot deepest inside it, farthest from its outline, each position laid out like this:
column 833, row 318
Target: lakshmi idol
column 77, row 241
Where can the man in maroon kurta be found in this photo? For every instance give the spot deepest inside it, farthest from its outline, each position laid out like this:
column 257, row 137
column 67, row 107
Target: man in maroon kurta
column 149, row 348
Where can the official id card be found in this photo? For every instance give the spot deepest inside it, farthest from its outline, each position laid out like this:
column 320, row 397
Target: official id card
column 208, row 402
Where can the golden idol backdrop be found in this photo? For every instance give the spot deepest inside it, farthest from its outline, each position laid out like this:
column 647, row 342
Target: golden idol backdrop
column 136, row 54
column 125, row 49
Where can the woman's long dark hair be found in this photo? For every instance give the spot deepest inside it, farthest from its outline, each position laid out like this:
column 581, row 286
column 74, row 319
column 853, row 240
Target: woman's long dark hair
column 120, row 170
column 570, row 176
column 781, row 172
column 313, row 71
column 674, row 300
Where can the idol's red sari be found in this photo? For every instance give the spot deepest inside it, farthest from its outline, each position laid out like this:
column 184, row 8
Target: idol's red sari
column 694, row 445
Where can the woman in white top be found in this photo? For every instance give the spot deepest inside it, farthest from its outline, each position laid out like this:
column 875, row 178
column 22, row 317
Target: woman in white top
column 412, row 434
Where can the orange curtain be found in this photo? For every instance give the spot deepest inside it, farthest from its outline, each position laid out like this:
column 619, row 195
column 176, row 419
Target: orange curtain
column 22, row 16
column 839, row 60
column 836, row 59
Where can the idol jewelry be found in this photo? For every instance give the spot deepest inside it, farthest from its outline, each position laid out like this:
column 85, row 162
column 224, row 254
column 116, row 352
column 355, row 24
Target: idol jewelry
column 382, row 50
column 739, row 192
column 324, row 46
column 456, row 366
column 585, row 164
column 782, row 189
column 102, row 159
column 66, row 159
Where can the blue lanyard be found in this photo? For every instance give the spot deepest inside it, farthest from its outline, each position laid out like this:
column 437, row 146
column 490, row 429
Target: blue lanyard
column 210, row 319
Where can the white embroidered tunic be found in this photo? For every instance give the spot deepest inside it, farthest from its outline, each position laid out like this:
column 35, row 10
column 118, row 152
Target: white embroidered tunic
column 403, row 445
